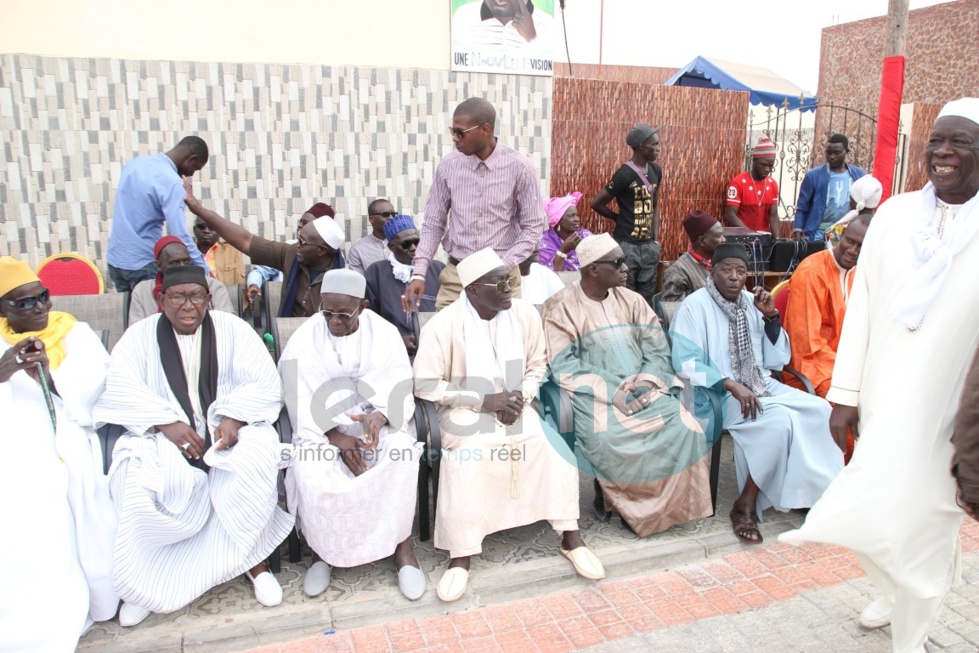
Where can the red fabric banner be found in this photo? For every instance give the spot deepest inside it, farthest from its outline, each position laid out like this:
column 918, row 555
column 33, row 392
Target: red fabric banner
column 888, row 120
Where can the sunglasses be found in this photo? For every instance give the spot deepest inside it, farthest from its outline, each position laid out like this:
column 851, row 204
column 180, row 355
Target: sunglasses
column 302, row 241
column 203, row 227
column 459, row 133
column 501, row 286
column 344, row 317
column 617, row 263
column 408, row 244
column 28, row 303
column 385, row 214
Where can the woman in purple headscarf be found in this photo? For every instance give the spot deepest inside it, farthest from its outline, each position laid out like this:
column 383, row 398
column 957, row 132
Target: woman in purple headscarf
column 557, row 245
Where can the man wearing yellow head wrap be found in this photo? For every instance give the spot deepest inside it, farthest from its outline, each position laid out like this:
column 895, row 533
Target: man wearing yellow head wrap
column 50, row 454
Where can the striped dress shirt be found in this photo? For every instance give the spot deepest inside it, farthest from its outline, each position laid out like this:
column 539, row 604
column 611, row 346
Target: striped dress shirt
column 495, row 203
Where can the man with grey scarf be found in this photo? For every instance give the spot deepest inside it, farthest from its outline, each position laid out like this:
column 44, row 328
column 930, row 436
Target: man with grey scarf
column 730, row 340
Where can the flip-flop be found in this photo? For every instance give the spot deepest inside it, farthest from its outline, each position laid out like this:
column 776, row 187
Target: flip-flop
column 745, row 525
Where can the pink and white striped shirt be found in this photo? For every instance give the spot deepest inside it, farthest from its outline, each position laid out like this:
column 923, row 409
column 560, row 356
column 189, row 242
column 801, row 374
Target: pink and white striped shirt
column 495, row 203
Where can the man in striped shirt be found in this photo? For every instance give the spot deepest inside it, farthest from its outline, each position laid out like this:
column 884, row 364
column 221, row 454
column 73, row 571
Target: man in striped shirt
column 495, row 200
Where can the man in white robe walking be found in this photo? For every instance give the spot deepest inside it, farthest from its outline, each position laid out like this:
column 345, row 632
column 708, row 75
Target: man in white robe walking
column 912, row 324
column 349, row 394
column 481, row 360
column 730, row 339
column 194, row 478
column 58, row 519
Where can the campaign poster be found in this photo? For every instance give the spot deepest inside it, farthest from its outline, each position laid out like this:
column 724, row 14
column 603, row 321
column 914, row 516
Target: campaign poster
column 514, row 37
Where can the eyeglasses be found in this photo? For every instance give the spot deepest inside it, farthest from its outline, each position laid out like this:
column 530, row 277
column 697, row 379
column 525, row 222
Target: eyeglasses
column 617, row 263
column 303, row 241
column 501, row 286
column 28, row 303
column 179, row 300
column 203, row 227
column 344, row 317
column 459, row 133
column 384, row 214
column 409, row 243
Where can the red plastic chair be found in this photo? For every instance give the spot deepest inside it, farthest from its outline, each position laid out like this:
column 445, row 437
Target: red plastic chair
column 70, row 274
column 780, row 294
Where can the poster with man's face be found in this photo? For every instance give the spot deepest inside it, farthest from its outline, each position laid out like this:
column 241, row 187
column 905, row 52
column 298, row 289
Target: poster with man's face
column 515, row 37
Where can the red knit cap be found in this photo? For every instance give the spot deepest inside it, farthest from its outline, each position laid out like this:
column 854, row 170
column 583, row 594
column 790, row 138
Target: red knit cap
column 697, row 223
column 163, row 242
column 320, row 209
column 764, row 150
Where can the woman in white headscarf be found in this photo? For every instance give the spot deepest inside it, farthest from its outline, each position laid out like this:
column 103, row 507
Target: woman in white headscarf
column 865, row 195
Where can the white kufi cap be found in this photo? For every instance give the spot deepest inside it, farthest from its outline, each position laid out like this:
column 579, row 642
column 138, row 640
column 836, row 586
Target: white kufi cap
column 344, row 282
column 476, row 265
column 592, row 248
column 967, row 107
column 329, row 231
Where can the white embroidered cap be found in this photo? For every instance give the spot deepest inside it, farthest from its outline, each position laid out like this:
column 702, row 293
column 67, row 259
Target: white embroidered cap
column 476, row 265
column 594, row 247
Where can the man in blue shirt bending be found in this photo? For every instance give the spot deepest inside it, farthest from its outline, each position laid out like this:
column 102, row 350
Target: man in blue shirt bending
column 150, row 193
column 824, row 196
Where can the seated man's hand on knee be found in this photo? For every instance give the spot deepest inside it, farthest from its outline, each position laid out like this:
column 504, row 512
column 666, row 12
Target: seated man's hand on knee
column 226, row 434
column 351, row 451
column 184, row 437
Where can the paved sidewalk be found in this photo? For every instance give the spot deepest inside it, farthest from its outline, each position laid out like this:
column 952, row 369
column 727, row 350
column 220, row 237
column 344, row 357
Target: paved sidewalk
column 772, row 597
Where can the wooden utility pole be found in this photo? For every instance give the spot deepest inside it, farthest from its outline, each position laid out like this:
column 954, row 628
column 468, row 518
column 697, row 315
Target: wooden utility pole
column 897, row 28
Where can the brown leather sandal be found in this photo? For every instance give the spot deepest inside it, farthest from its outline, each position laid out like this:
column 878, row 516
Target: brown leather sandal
column 745, row 526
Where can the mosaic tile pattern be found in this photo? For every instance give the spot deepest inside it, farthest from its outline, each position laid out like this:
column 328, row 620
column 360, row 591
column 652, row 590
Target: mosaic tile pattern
column 281, row 138
column 703, row 143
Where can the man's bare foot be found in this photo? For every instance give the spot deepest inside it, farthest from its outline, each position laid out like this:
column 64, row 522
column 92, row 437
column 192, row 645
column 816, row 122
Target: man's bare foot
column 743, row 519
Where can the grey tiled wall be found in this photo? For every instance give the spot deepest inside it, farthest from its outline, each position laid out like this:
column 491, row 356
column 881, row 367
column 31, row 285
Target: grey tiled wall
column 281, row 138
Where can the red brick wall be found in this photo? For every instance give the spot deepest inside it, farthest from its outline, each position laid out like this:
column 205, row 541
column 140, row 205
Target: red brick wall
column 920, row 129
column 941, row 62
column 702, row 136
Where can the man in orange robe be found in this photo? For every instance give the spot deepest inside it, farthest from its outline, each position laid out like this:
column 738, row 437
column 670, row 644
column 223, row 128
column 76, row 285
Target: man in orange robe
column 817, row 303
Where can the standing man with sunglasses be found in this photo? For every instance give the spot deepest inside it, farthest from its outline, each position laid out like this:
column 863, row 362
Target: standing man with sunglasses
column 374, row 246
column 635, row 188
column 494, row 197
column 303, row 263
column 388, row 279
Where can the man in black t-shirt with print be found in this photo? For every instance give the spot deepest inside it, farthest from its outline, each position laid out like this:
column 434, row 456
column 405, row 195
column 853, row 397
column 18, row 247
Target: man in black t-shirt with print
column 635, row 188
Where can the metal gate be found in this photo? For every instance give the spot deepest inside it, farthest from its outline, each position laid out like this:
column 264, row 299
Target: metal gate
column 800, row 140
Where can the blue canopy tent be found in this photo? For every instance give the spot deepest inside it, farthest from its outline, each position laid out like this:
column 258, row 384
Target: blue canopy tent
column 764, row 86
